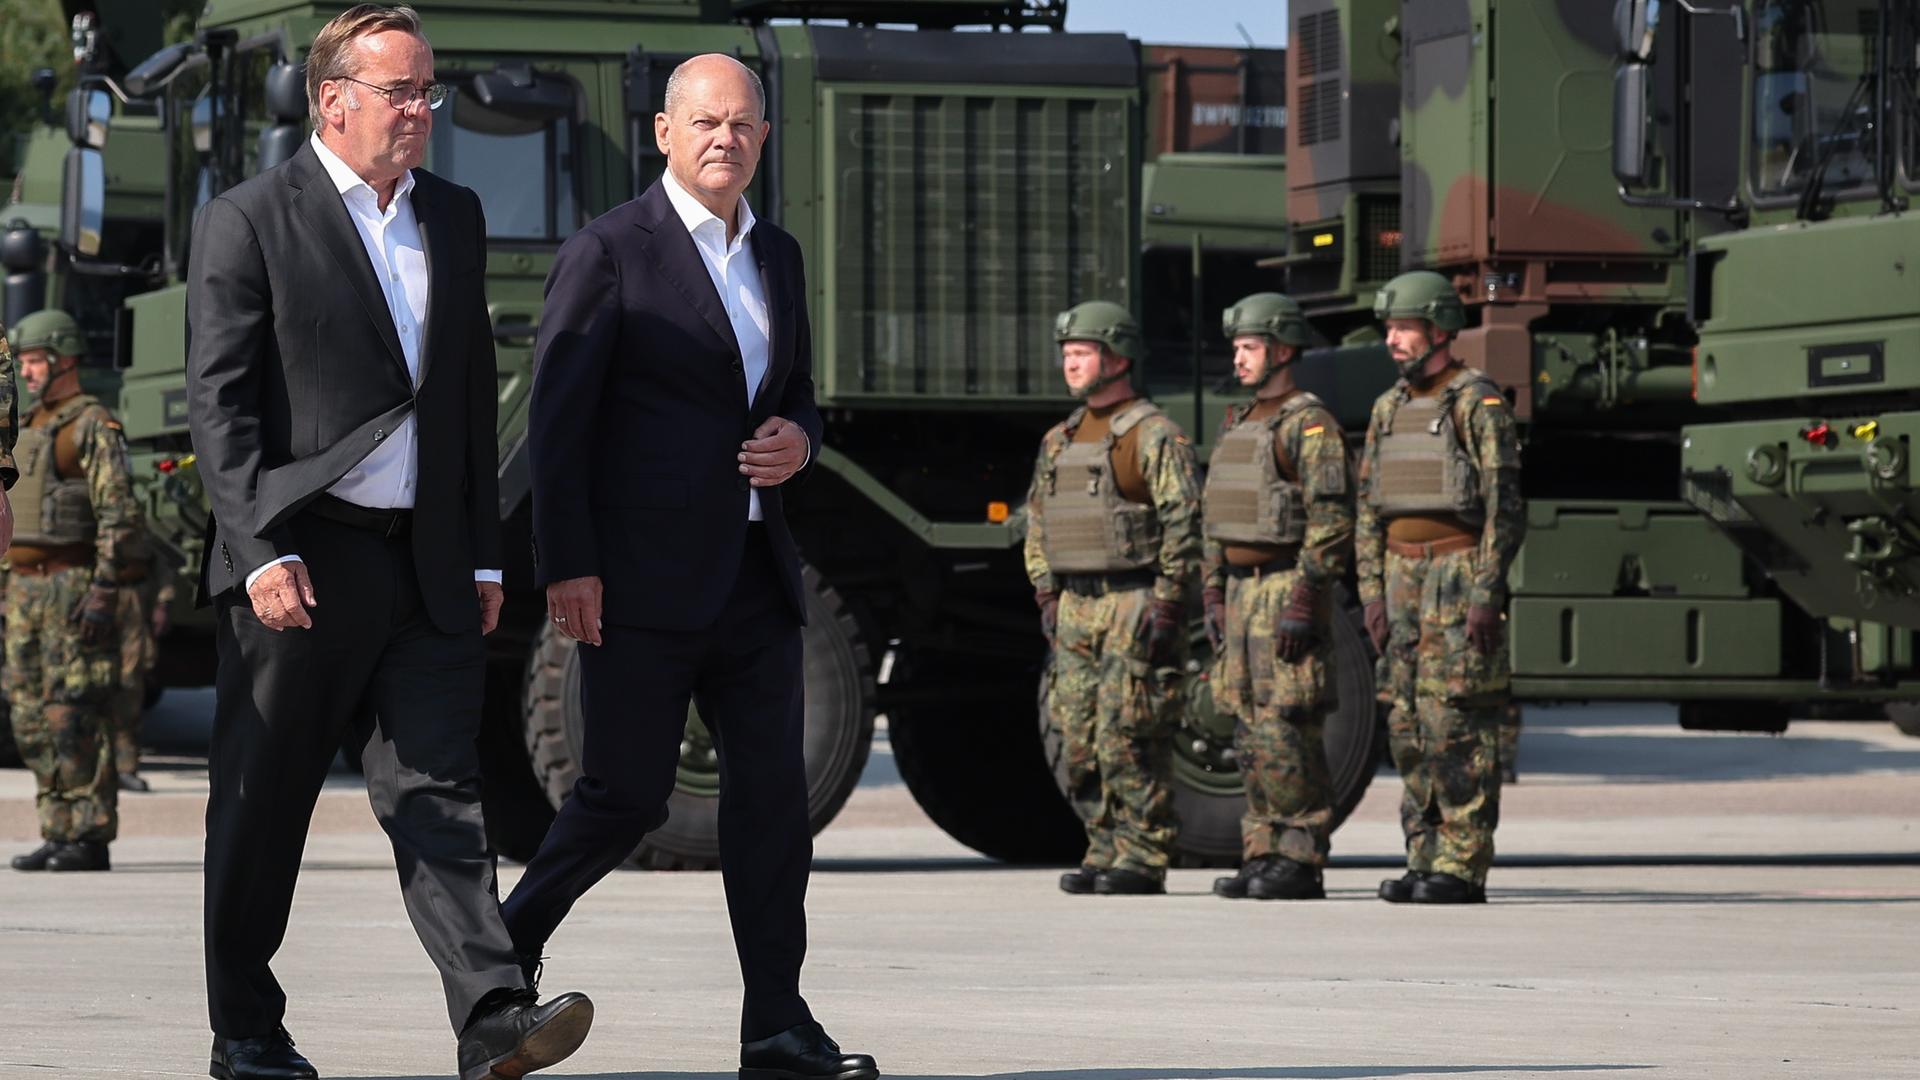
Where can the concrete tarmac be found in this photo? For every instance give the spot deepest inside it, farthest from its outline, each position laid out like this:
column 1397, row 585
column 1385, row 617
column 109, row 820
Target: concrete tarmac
column 1729, row 956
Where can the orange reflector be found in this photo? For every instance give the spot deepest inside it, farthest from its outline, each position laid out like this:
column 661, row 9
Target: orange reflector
column 998, row 512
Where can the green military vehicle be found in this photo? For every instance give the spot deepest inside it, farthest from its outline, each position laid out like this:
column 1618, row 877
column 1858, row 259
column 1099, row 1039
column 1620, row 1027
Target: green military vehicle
column 953, row 190
column 1695, row 533
column 1805, row 366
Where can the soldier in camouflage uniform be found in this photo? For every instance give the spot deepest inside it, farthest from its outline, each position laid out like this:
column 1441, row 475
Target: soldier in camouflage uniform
column 1279, row 529
column 1113, row 534
column 1440, row 518
column 77, row 543
column 141, row 620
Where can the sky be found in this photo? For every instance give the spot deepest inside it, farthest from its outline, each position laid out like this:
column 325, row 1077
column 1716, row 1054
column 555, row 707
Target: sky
column 1183, row 22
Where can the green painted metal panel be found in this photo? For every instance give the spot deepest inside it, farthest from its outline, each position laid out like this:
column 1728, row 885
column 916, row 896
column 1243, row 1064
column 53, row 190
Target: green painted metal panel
column 1231, row 200
column 1825, row 508
column 1578, row 637
column 1660, row 549
column 961, row 220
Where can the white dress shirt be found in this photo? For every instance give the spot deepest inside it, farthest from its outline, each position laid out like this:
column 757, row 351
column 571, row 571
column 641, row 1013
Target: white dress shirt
column 385, row 478
column 736, row 277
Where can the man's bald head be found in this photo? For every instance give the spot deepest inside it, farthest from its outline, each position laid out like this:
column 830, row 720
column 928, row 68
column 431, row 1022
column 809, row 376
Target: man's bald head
column 711, row 127
column 710, row 65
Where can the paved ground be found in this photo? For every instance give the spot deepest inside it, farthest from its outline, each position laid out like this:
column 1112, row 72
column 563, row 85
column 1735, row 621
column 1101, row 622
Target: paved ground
column 1731, row 957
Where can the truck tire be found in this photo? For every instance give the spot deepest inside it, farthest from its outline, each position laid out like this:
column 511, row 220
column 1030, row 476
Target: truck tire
column 837, row 739
column 1208, row 794
column 971, row 756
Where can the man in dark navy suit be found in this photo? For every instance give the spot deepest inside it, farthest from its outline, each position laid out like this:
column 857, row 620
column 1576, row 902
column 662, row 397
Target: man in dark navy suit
column 672, row 398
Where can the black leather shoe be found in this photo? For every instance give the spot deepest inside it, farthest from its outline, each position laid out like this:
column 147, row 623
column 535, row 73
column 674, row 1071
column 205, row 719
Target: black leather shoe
column 133, row 781
column 1235, row 887
column 1120, row 882
column 803, row 1053
column 269, row 1057
column 521, row 1035
column 1400, row 890
column 85, row 855
column 1285, row 879
column 37, row 859
column 1079, row 882
column 1447, row 889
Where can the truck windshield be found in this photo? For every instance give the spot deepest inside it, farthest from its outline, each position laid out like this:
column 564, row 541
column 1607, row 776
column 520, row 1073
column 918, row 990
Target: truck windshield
column 521, row 166
column 1812, row 95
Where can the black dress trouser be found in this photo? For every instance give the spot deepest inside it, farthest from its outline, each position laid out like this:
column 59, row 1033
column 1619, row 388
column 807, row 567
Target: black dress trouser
column 744, row 674
column 374, row 666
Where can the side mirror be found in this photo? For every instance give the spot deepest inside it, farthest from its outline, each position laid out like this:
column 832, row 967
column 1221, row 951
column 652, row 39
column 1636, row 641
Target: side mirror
column 89, row 112
column 151, row 74
column 1632, row 150
column 1634, row 22
column 83, row 200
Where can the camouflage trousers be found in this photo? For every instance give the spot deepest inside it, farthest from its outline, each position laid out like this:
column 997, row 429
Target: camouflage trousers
column 138, row 651
column 59, row 689
column 1280, row 712
column 1115, row 713
column 1446, row 703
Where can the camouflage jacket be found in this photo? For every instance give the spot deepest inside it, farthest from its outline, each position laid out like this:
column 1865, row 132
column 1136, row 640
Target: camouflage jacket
column 120, row 550
column 1173, row 480
column 1492, row 438
column 1313, row 444
column 9, row 413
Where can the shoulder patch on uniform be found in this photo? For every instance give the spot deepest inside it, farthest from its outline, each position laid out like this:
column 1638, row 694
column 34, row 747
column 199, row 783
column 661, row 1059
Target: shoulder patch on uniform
column 114, row 424
column 1493, row 399
column 1313, row 430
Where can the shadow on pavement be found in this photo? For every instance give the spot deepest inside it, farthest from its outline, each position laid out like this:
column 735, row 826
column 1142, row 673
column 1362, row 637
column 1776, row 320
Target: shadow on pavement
column 1262, row 1073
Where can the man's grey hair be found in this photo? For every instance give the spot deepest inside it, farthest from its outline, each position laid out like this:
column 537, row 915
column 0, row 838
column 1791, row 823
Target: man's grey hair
column 677, row 84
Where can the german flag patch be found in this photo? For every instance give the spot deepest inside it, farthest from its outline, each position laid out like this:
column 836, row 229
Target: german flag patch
column 1493, row 399
column 1314, row 430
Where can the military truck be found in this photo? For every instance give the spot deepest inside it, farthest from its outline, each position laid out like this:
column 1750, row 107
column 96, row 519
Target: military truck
column 1478, row 138
column 952, row 189
column 1797, row 286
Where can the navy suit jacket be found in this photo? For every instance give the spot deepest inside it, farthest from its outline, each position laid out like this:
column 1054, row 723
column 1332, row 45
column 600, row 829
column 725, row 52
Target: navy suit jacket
column 639, row 409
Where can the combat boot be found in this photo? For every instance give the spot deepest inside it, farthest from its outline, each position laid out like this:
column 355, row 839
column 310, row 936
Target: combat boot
column 1235, row 887
column 1119, row 882
column 1079, row 882
column 133, row 781
column 84, row 855
column 37, row 858
column 1285, row 879
column 1400, row 890
column 1447, row 889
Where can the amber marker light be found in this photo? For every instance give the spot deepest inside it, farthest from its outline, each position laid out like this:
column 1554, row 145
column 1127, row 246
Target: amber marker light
column 998, row 512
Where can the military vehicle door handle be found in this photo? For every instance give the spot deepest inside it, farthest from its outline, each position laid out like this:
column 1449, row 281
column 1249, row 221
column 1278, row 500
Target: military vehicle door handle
column 514, row 324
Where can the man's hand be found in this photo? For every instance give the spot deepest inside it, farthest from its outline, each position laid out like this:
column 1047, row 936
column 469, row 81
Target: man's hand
column 1293, row 633
column 1048, row 602
column 6, row 522
column 574, row 607
column 1213, row 602
column 776, row 451
column 1375, row 617
column 1483, row 629
column 94, row 613
column 491, row 597
column 281, row 596
column 1163, row 632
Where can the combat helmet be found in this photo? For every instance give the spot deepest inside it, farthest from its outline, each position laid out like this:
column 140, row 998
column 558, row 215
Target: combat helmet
column 1421, row 294
column 1269, row 314
column 1105, row 322
column 50, row 329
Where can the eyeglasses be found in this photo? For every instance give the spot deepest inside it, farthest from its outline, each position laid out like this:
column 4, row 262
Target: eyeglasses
column 404, row 96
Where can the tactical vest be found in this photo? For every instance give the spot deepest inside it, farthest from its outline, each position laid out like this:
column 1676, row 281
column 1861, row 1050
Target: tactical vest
column 1421, row 464
column 51, row 504
column 1248, row 499
column 1090, row 527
